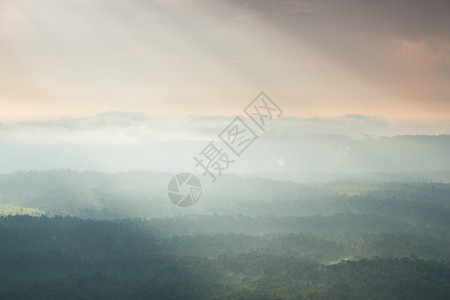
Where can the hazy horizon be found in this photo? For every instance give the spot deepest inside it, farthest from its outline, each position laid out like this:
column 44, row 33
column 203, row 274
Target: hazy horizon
column 121, row 141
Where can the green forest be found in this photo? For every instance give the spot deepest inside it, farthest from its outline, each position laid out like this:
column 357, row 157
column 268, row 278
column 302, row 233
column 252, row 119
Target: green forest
column 70, row 235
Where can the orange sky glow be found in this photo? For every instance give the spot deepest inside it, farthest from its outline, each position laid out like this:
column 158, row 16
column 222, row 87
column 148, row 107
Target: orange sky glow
column 198, row 57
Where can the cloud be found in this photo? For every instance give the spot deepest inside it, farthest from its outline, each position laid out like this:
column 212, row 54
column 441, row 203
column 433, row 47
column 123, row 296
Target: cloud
column 349, row 125
column 129, row 128
column 433, row 50
column 119, row 141
column 114, row 128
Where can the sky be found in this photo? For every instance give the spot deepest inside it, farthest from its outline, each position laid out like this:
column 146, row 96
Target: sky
column 386, row 60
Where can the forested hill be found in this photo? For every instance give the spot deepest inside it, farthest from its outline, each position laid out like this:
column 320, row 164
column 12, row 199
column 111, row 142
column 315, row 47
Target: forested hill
column 412, row 197
column 71, row 258
column 91, row 235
